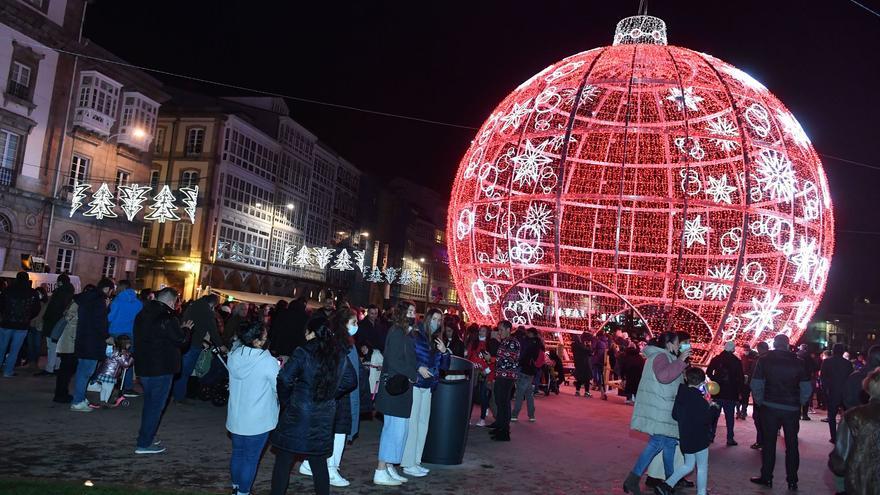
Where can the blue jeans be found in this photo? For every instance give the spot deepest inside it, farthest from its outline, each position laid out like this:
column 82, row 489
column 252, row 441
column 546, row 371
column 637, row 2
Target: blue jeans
column 700, row 460
column 186, row 370
column 727, row 406
column 10, row 343
column 85, row 368
column 525, row 390
column 246, row 450
column 657, row 444
column 156, row 389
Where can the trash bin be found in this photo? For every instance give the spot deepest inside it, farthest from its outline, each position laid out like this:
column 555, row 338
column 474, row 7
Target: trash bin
column 451, row 406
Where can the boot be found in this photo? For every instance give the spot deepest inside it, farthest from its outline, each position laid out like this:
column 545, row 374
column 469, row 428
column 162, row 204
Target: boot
column 631, row 484
column 663, row 489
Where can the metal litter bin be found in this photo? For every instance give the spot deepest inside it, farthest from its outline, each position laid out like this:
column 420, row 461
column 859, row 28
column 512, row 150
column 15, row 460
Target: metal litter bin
column 451, row 406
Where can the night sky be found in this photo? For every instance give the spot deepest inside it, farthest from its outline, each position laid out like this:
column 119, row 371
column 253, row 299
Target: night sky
column 453, row 61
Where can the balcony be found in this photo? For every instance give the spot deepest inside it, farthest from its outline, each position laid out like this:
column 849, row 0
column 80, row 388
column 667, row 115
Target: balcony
column 93, row 120
column 6, row 176
column 176, row 250
column 18, row 90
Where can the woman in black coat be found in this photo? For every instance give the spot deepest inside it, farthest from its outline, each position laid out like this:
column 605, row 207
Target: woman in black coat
column 308, row 387
column 631, row 371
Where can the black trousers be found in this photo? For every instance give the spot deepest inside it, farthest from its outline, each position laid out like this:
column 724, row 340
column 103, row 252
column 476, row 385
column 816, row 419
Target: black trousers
column 62, row 377
column 771, row 420
column 281, row 472
column 833, row 405
column 756, row 418
column 503, row 389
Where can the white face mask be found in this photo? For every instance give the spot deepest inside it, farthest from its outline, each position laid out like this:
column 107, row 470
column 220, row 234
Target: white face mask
column 352, row 329
column 434, row 325
column 482, row 338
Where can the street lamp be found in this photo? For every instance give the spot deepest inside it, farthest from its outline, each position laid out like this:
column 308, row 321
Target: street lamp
column 289, row 206
column 191, row 268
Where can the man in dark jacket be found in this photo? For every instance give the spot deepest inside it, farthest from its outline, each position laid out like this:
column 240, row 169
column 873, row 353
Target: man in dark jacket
column 288, row 329
column 812, row 368
column 158, row 337
column 525, row 383
column 835, row 371
column 749, row 358
column 201, row 313
column 762, row 349
column 92, row 338
column 853, row 394
column 372, row 331
column 19, row 304
column 58, row 303
column 780, row 387
column 726, row 370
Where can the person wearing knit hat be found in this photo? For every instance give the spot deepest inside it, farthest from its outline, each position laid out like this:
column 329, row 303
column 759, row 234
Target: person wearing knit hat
column 726, row 370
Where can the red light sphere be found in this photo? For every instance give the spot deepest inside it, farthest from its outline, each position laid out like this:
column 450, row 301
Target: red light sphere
column 645, row 179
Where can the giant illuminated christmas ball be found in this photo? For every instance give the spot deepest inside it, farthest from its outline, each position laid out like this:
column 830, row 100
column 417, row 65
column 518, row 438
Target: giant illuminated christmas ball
column 647, row 180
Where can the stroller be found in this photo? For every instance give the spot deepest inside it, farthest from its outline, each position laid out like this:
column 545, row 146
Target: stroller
column 214, row 385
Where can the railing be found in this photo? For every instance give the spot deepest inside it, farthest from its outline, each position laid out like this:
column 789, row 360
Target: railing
column 6, row 176
column 18, row 90
column 93, row 120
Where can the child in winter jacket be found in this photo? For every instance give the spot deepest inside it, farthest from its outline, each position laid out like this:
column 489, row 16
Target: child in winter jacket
column 112, row 367
column 692, row 412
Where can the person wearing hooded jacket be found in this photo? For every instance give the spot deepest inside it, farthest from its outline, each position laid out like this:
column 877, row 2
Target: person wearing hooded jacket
column 19, row 304
column 92, row 339
column 252, row 411
column 664, row 365
column 201, row 313
column 123, row 310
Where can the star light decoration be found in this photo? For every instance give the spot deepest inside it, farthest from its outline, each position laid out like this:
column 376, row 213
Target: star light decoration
column 642, row 178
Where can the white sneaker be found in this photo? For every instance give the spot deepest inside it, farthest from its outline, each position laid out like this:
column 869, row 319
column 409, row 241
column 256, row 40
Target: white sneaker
column 481, row 422
column 382, row 477
column 414, row 471
column 392, row 471
column 81, row 407
column 305, row 469
column 514, row 420
column 336, row 479
column 423, row 469
column 531, row 420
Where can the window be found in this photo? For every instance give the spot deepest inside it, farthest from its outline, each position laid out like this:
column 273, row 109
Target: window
column 138, row 120
column 195, row 141
column 189, row 178
column 19, row 81
column 97, row 103
column 122, row 178
column 242, row 244
column 109, row 268
column 247, row 153
column 182, row 236
column 146, row 235
column 9, row 144
column 241, row 195
column 159, row 141
column 79, row 170
column 5, row 224
column 64, row 261
column 154, row 180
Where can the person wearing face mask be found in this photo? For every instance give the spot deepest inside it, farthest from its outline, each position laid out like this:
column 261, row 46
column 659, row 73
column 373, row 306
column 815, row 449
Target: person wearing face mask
column 347, row 420
column 432, row 356
column 399, row 360
column 652, row 413
column 252, row 411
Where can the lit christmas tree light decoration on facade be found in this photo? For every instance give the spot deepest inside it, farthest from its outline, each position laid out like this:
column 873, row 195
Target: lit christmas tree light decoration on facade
column 647, row 178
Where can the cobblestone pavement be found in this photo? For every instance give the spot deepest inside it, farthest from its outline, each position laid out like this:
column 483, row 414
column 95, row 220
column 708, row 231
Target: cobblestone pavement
column 577, row 446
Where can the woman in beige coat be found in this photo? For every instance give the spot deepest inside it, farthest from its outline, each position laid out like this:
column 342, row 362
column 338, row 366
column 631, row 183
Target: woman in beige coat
column 65, row 349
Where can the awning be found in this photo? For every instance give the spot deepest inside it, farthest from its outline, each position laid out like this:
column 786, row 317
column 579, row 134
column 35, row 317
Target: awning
column 250, row 297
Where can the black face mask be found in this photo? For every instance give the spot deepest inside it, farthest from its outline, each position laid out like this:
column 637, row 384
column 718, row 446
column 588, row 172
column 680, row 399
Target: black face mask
column 411, row 321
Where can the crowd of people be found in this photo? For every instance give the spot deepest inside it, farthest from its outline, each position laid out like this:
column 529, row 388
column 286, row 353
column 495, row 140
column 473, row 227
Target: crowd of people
column 301, row 380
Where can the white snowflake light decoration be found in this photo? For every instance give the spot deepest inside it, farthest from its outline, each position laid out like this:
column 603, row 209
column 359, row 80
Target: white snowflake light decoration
column 528, row 165
column 289, row 254
column 805, row 259
column 538, row 219
column 528, row 303
column 163, row 208
column 776, row 175
column 343, row 261
column 323, row 256
column 685, row 98
column 131, row 199
column 694, row 232
column 763, row 313
column 190, row 198
column 719, row 190
column 720, row 291
column 723, row 129
column 102, row 204
column 405, row 277
column 417, row 277
column 359, row 260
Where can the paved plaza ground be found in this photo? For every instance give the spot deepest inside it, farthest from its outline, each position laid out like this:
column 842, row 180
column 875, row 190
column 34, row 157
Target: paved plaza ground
column 577, row 446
